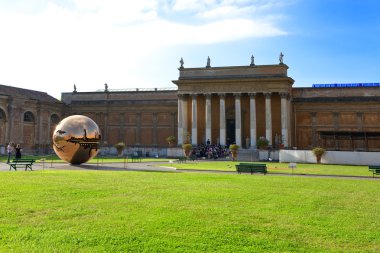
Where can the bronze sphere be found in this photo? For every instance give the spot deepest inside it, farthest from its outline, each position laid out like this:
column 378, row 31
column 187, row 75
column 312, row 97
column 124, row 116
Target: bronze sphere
column 76, row 139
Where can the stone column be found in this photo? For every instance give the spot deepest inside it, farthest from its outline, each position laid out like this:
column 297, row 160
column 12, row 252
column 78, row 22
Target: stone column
column 154, row 129
column 237, row 119
column 173, row 116
column 268, row 118
column 180, row 119
column 222, row 119
column 40, row 115
column 138, row 128
column 21, row 137
column 105, row 134
column 314, row 141
column 252, row 110
column 184, row 115
column 336, row 128
column 284, row 119
column 49, row 133
column 359, row 121
column 208, row 118
column 10, row 116
column 194, row 124
column 122, row 126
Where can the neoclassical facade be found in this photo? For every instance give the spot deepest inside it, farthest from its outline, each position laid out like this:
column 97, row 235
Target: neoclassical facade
column 28, row 117
column 224, row 105
column 235, row 104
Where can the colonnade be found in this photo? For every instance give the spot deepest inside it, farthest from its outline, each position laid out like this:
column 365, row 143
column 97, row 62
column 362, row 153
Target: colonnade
column 183, row 117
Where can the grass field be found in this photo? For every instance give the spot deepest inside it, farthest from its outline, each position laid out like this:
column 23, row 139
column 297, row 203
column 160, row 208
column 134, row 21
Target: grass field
column 104, row 211
column 110, row 159
column 273, row 167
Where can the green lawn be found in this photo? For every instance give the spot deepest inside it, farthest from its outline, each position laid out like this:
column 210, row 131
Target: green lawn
column 110, row 159
column 318, row 169
column 104, row 211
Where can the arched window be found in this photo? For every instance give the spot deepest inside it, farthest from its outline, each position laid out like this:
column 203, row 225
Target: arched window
column 54, row 119
column 28, row 117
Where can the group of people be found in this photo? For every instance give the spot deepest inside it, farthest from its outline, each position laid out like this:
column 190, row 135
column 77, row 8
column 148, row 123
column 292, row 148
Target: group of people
column 210, row 151
column 16, row 149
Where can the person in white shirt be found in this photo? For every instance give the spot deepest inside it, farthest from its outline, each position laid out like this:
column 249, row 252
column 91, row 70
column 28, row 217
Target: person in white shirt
column 9, row 150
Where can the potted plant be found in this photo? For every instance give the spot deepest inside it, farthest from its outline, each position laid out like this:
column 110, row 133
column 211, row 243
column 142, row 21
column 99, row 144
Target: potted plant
column 187, row 148
column 120, row 146
column 171, row 140
column 234, row 148
column 262, row 143
column 319, row 152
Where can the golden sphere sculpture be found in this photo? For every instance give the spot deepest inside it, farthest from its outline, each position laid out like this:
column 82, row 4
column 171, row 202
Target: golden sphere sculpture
column 76, row 139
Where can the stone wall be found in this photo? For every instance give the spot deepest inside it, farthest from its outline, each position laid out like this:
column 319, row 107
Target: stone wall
column 331, row 157
column 137, row 118
column 337, row 118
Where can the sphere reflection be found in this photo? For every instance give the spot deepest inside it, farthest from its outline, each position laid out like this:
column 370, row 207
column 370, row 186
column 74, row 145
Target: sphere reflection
column 76, row 139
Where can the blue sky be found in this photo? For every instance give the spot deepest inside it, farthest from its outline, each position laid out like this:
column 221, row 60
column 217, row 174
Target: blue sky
column 50, row 45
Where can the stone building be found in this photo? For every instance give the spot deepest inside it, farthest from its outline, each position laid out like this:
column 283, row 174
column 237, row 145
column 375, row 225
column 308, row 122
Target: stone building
column 28, row 117
column 339, row 118
column 235, row 104
column 136, row 117
column 225, row 105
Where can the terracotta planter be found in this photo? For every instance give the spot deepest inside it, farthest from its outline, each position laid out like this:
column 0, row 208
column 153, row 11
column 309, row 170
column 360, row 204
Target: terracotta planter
column 119, row 153
column 187, row 152
column 234, row 155
column 319, row 157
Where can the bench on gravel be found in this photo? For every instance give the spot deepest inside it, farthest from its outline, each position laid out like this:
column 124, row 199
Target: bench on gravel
column 136, row 158
column 375, row 169
column 251, row 168
column 182, row 159
column 27, row 163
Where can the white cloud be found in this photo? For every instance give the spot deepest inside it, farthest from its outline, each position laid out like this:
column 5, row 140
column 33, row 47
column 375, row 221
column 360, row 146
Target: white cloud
column 226, row 12
column 190, row 5
column 98, row 40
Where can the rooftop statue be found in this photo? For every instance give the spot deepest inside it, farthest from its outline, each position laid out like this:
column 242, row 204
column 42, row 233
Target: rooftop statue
column 252, row 61
column 281, row 58
column 182, row 62
column 208, row 62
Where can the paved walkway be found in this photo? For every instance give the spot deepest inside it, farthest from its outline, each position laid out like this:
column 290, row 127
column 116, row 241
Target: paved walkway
column 157, row 167
column 101, row 166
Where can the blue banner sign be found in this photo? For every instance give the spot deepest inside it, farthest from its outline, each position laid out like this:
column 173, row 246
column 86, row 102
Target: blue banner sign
column 345, row 85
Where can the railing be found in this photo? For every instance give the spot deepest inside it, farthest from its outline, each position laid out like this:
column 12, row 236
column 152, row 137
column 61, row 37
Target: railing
column 140, row 89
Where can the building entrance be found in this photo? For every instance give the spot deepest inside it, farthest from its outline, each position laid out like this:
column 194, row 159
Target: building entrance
column 230, row 131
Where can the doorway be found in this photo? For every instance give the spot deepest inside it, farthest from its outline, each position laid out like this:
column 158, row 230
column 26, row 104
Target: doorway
column 230, row 131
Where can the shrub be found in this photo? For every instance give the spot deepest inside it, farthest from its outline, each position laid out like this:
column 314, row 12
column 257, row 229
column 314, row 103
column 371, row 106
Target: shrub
column 319, row 151
column 234, row 147
column 171, row 139
column 262, row 143
column 187, row 146
column 119, row 147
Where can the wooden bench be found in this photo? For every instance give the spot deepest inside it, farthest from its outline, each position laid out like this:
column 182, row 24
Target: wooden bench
column 375, row 169
column 193, row 157
column 251, row 168
column 136, row 158
column 27, row 163
column 182, row 159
